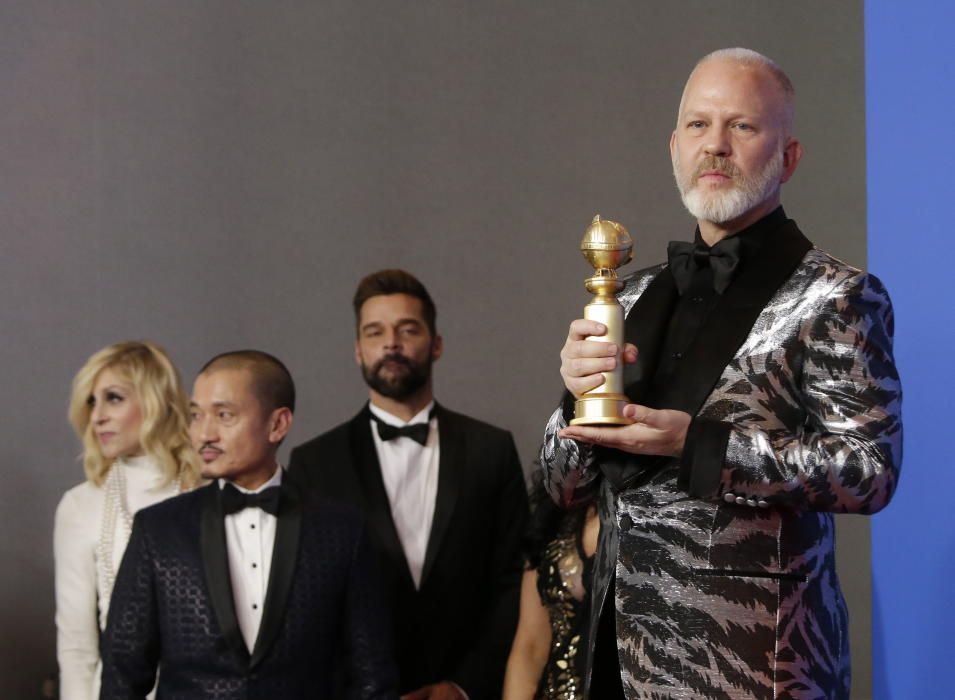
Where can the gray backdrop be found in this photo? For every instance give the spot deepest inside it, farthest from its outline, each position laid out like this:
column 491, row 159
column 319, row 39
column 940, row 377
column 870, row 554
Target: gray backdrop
column 216, row 175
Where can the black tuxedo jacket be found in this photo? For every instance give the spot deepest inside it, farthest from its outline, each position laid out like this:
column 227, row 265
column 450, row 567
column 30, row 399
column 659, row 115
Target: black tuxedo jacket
column 459, row 625
column 172, row 607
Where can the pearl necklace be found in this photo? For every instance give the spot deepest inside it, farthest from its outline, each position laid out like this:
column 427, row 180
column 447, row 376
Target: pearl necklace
column 115, row 512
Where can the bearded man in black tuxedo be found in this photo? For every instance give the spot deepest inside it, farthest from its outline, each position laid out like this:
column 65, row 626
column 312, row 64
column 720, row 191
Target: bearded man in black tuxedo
column 247, row 587
column 444, row 495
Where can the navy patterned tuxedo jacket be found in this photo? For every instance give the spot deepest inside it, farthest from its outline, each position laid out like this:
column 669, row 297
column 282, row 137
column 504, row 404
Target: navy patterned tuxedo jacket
column 723, row 560
column 172, row 608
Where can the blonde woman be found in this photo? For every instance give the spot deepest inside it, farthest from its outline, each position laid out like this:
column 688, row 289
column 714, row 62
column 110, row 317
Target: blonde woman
column 129, row 410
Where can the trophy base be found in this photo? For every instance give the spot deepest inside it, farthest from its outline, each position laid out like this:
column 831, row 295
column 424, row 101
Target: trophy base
column 601, row 410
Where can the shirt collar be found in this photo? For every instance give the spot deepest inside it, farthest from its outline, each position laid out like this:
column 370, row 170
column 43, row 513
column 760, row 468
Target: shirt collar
column 276, row 480
column 753, row 236
column 421, row 417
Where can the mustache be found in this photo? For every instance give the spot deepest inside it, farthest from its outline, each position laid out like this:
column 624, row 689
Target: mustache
column 395, row 357
column 718, row 164
column 209, row 446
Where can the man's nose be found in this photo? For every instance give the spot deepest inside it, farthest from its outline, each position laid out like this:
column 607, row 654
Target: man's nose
column 717, row 143
column 203, row 430
column 392, row 340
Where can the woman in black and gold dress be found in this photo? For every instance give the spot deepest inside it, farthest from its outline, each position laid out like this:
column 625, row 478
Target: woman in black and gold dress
column 546, row 661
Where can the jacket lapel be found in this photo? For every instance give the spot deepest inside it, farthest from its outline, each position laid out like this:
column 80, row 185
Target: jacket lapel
column 733, row 317
column 288, row 531
column 646, row 327
column 713, row 349
column 215, row 561
column 368, row 470
column 451, row 465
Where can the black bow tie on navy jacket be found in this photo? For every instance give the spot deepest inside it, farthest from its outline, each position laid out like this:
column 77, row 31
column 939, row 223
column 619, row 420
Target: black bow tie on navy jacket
column 687, row 258
column 234, row 500
column 416, row 431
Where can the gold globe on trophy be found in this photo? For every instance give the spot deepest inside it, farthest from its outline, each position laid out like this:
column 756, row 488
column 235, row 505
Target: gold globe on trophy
column 607, row 246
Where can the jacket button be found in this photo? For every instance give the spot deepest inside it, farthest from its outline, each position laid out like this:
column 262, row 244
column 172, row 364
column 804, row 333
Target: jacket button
column 729, row 497
column 626, row 522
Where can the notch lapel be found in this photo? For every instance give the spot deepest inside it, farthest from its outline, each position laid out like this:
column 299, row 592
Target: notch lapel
column 215, row 562
column 451, row 465
column 733, row 317
column 288, row 532
column 378, row 512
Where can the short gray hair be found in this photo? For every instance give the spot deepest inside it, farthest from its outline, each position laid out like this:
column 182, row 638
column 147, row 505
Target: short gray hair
column 748, row 57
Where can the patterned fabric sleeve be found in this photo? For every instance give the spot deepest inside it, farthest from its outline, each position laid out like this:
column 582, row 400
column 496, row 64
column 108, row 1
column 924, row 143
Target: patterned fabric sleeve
column 846, row 454
column 568, row 476
column 131, row 642
column 371, row 670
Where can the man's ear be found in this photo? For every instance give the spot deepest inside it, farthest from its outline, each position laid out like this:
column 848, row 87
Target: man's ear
column 357, row 354
column 280, row 422
column 437, row 347
column 672, row 144
column 792, row 154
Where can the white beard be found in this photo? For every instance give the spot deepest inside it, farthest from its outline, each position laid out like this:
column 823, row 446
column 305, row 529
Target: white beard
column 719, row 206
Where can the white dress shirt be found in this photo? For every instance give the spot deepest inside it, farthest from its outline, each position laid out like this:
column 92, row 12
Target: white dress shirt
column 249, row 539
column 410, row 473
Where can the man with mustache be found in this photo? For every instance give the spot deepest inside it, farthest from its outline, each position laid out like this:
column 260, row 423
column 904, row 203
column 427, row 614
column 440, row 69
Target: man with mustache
column 444, row 495
column 248, row 587
column 764, row 398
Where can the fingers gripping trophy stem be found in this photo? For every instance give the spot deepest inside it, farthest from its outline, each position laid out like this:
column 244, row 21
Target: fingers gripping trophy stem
column 607, row 246
column 611, row 316
column 604, row 404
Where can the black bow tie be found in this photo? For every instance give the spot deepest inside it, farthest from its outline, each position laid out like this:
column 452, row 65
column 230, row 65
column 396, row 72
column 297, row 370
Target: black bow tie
column 234, row 500
column 686, row 258
column 417, row 431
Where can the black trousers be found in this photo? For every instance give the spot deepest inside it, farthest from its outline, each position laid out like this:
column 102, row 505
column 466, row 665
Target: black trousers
column 605, row 675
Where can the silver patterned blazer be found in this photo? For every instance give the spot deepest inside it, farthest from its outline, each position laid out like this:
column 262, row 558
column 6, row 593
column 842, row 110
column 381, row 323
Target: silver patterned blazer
column 725, row 577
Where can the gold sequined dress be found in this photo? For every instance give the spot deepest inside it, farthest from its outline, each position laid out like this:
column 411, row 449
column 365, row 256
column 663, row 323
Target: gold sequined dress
column 561, row 578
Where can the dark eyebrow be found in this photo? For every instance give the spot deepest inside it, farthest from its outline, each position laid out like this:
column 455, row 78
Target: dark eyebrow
column 217, row 404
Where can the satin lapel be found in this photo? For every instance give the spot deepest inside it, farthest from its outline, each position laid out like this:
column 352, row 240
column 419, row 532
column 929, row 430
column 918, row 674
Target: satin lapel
column 288, row 532
column 646, row 327
column 451, row 465
column 368, row 471
column 733, row 317
column 215, row 561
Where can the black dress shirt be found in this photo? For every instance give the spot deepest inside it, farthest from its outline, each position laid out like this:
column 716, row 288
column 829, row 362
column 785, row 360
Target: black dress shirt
column 697, row 304
column 706, row 441
column 700, row 477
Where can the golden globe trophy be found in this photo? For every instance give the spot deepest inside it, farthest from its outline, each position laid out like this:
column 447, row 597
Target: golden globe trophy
column 607, row 246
